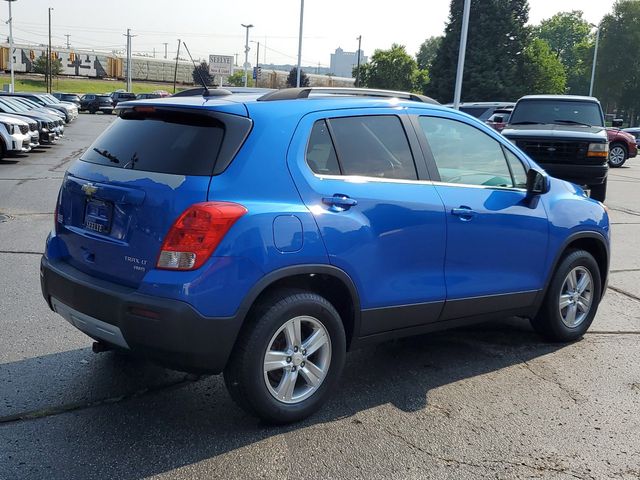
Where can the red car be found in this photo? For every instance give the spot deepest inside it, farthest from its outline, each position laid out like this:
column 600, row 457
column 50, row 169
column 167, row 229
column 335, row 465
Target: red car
column 622, row 145
column 499, row 118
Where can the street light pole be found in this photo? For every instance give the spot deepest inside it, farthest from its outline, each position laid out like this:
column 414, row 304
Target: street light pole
column 595, row 59
column 358, row 67
column 246, row 51
column 12, row 87
column 300, row 43
column 461, row 54
column 49, row 63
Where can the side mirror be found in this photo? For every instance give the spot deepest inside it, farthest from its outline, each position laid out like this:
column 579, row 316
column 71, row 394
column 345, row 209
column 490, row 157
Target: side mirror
column 537, row 183
column 617, row 122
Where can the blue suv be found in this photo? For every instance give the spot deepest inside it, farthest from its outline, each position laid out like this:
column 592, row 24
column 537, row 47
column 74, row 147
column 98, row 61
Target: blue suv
column 265, row 235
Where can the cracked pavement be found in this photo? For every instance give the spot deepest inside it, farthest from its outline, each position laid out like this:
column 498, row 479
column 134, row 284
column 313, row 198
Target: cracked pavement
column 492, row 401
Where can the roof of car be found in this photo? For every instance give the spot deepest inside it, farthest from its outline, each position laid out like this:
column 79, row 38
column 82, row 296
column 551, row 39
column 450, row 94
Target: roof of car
column 563, row 98
column 238, row 103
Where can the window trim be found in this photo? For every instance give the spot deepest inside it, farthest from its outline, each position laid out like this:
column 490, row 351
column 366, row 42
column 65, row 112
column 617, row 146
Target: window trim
column 433, row 166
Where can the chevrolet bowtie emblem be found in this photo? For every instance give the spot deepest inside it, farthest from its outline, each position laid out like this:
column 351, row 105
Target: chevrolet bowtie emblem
column 89, row 189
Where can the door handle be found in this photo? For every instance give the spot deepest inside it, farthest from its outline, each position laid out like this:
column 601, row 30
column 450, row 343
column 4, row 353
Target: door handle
column 340, row 202
column 465, row 213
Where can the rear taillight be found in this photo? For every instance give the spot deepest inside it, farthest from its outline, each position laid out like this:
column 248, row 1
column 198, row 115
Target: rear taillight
column 196, row 234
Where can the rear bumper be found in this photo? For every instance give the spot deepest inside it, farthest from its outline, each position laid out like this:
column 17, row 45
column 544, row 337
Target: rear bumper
column 177, row 335
column 579, row 174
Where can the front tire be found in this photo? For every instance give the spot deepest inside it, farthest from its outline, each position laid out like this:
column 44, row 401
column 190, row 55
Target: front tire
column 617, row 155
column 288, row 357
column 572, row 299
column 598, row 192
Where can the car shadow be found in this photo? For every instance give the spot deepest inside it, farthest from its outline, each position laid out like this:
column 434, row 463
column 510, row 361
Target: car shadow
column 8, row 162
column 194, row 420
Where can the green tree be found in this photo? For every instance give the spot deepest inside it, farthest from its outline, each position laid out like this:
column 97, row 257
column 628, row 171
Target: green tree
column 494, row 62
column 568, row 35
column 292, row 78
column 427, row 52
column 618, row 69
column 392, row 69
column 543, row 72
column 236, row 79
column 40, row 65
column 203, row 68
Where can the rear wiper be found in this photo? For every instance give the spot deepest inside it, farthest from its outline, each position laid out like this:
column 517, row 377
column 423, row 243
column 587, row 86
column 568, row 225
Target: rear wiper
column 107, row 155
column 528, row 122
column 572, row 122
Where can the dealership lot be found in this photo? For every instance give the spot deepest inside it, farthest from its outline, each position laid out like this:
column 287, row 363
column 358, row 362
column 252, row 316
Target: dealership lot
column 491, row 401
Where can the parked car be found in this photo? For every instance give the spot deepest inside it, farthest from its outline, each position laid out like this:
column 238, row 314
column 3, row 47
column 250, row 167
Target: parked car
column 93, row 103
column 46, row 123
column 499, row 119
column 565, row 134
column 117, row 97
column 484, row 110
column 635, row 131
column 69, row 111
column 27, row 106
column 264, row 236
column 622, row 145
column 68, row 97
column 14, row 136
column 146, row 96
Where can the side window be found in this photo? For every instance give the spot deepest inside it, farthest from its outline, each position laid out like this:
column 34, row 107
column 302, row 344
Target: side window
column 373, row 146
column 466, row 155
column 321, row 156
column 518, row 170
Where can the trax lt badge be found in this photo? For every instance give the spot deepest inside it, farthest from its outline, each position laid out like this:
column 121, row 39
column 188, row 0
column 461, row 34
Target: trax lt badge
column 89, row 189
column 551, row 149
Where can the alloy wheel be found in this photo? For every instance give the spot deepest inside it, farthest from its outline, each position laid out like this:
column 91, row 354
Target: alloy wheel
column 576, row 297
column 297, row 359
column 617, row 155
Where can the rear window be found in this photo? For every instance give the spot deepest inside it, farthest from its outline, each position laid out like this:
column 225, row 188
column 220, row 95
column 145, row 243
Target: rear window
column 474, row 111
column 160, row 141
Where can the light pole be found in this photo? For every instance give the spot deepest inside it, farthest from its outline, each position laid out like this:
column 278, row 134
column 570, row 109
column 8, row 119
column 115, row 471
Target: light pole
column 13, row 79
column 358, row 67
column 246, row 51
column 49, row 63
column 300, row 43
column 461, row 54
column 595, row 59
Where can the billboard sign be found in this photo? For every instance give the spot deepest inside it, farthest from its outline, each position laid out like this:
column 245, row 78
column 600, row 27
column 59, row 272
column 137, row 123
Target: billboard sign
column 221, row 64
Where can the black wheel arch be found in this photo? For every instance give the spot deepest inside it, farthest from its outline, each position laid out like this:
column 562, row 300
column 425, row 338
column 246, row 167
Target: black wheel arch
column 592, row 242
column 331, row 282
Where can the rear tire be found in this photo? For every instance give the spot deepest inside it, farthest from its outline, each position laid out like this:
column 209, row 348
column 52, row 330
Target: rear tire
column 270, row 356
column 617, row 155
column 572, row 299
column 598, row 192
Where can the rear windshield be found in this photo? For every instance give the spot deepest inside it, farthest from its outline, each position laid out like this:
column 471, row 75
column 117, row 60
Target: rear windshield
column 160, row 141
column 557, row 112
column 474, row 111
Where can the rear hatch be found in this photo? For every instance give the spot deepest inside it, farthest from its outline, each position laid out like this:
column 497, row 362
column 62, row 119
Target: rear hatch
column 119, row 200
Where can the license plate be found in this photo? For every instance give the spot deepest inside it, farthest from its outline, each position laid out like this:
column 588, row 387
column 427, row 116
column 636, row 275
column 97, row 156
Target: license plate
column 97, row 216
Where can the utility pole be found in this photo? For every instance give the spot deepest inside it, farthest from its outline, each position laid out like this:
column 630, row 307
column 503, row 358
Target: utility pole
column 12, row 87
column 461, row 54
column 68, row 44
column 257, row 62
column 129, row 60
column 236, row 64
column 175, row 72
column 246, row 51
column 165, row 50
column 49, row 65
column 154, row 52
column 300, row 43
column 595, row 59
column 358, row 67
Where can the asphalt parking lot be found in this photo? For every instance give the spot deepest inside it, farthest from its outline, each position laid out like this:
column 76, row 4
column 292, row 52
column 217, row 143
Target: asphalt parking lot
column 492, row 401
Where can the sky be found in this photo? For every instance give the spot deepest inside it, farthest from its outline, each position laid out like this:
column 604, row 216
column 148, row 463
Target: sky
column 214, row 27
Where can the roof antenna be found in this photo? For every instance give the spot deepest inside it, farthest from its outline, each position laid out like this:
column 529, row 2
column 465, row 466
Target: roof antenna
column 205, row 92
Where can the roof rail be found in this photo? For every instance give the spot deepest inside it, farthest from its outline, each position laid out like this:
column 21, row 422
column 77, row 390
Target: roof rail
column 298, row 93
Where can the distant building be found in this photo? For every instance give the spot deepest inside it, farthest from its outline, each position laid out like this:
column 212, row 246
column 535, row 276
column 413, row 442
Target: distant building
column 343, row 63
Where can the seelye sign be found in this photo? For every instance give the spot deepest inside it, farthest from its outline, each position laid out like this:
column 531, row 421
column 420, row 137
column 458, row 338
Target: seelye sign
column 221, row 64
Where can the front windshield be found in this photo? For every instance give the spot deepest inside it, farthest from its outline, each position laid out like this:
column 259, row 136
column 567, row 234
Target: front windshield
column 557, row 112
column 16, row 106
column 52, row 98
column 7, row 107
